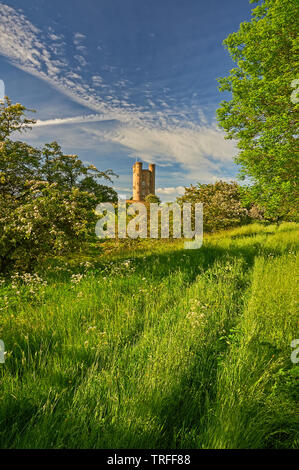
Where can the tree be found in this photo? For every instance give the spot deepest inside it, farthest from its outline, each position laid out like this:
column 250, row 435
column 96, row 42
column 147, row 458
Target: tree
column 102, row 193
column 13, row 118
column 261, row 115
column 47, row 221
column 18, row 161
column 47, row 199
column 222, row 207
column 68, row 172
column 152, row 198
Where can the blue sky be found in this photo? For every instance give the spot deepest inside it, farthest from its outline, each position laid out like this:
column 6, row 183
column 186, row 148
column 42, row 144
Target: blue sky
column 116, row 80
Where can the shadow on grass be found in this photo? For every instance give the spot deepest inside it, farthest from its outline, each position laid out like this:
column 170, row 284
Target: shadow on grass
column 185, row 407
column 191, row 263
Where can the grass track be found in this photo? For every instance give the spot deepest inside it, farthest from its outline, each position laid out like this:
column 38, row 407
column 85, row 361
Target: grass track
column 154, row 346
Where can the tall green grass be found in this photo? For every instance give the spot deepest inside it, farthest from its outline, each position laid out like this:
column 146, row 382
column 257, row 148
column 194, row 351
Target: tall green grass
column 154, row 346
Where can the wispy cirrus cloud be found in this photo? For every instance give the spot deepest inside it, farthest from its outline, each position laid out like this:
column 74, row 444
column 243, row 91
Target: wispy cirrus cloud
column 40, row 53
column 163, row 134
column 201, row 151
column 2, row 89
column 71, row 120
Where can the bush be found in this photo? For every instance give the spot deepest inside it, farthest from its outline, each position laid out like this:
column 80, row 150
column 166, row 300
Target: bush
column 222, row 207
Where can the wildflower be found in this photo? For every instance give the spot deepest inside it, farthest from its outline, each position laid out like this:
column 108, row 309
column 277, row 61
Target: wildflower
column 76, row 278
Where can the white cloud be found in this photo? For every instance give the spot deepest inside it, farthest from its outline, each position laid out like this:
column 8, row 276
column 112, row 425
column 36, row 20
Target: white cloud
column 70, row 120
column 97, row 80
column 55, row 37
column 185, row 145
column 78, row 37
column 78, row 43
column 2, row 89
column 178, row 190
column 201, row 151
column 166, row 137
column 81, row 59
column 27, row 48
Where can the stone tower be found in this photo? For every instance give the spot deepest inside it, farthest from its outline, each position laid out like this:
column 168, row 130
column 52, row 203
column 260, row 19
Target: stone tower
column 143, row 181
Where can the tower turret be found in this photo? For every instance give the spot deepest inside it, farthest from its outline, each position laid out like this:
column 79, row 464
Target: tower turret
column 152, row 169
column 137, row 181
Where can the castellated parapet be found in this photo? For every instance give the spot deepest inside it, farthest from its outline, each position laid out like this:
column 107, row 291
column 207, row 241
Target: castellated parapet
column 143, row 181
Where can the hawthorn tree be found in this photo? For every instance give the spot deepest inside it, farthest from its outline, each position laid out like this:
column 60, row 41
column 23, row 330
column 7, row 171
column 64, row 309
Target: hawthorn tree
column 48, row 220
column 222, row 207
column 68, row 172
column 19, row 161
column 47, row 199
column 262, row 114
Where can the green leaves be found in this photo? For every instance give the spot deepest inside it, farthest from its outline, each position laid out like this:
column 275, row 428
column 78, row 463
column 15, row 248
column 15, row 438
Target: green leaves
column 222, row 206
column 12, row 118
column 68, row 171
column 261, row 115
column 152, row 198
column 47, row 199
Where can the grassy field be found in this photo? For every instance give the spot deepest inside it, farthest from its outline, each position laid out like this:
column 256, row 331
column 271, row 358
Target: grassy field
column 148, row 345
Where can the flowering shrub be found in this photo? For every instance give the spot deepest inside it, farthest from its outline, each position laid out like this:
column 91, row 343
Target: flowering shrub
column 48, row 220
column 222, row 207
column 47, row 199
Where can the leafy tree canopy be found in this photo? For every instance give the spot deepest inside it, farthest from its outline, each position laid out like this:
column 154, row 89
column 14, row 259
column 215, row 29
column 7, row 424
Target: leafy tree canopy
column 47, row 199
column 263, row 112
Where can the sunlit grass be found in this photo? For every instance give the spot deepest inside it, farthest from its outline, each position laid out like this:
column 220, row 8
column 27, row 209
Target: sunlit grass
column 148, row 345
